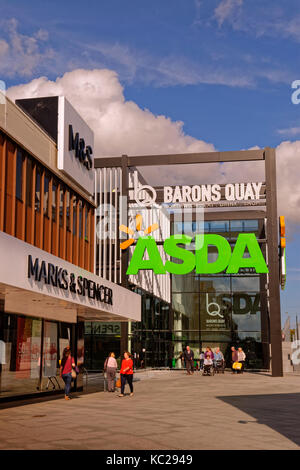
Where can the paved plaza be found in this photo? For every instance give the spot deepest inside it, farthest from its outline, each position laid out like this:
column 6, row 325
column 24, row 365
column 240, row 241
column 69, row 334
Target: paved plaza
column 169, row 410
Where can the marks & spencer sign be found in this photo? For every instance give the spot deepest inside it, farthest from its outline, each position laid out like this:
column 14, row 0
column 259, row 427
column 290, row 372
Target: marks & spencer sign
column 56, row 276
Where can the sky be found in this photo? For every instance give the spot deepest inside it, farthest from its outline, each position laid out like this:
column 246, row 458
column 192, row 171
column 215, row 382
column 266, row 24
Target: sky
column 170, row 76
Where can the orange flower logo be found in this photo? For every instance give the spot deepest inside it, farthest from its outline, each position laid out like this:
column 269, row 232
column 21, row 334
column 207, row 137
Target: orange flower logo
column 138, row 225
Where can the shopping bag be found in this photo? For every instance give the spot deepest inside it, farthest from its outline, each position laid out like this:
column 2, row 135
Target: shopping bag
column 118, row 383
column 237, row 365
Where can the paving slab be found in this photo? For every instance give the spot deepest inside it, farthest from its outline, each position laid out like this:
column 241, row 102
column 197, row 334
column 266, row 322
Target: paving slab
column 167, row 411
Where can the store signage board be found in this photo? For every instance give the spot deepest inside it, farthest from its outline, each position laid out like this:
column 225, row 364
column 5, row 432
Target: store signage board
column 75, row 143
column 230, row 260
column 208, row 195
column 29, row 271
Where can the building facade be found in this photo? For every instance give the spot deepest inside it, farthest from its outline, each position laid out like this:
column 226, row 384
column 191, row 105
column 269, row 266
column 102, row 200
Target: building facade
column 215, row 310
column 48, row 285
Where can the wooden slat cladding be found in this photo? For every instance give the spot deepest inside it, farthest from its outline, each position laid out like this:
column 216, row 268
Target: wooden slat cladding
column 2, row 178
column 36, row 207
column 10, row 189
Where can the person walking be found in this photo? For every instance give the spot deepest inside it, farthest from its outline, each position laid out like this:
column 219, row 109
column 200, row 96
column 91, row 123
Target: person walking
column 219, row 362
column 181, row 357
column 202, row 357
column 241, row 358
column 67, row 364
column 219, row 356
column 208, row 353
column 234, row 358
column 126, row 373
column 110, row 367
column 189, row 360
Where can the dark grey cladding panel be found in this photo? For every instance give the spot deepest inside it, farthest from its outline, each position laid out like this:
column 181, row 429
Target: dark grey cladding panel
column 44, row 111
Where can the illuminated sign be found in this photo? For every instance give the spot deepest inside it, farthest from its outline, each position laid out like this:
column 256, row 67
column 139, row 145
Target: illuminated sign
column 227, row 260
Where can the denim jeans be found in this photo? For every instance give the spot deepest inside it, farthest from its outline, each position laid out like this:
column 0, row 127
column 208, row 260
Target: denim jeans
column 67, row 378
column 129, row 378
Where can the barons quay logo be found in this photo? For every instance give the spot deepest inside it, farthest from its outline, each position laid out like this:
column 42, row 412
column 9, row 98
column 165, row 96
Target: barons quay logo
column 227, row 260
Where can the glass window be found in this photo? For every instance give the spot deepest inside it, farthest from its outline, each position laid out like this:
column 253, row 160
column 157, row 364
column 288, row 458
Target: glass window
column 215, row 311
column 20, row 160
column 29, row 181
column 246, row 315
column 216, row 226
column 50, row 351
column 148, row 312
column 186, row 311
column 20, row 349
column 245, row 283
column 46, row 194
column 165, row 315
column 248, row 226
column 215, row 284
column 185, row 283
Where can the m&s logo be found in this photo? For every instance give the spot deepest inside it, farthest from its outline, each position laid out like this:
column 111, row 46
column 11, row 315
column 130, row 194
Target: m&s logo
column 82, row 152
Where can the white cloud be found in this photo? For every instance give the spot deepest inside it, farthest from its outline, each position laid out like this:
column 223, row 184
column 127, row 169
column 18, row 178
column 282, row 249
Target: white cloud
column 226, row 10
column 139, row 66
column 122, row 127
column 20, row 54
column 290, row 131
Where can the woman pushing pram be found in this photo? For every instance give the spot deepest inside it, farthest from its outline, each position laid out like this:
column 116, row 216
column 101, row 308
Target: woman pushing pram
column 208, row 366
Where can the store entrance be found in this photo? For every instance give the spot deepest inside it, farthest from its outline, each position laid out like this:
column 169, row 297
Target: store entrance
column 97, row 349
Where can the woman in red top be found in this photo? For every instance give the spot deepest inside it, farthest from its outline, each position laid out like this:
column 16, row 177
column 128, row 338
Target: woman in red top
column 126, row 373
column 67, row 363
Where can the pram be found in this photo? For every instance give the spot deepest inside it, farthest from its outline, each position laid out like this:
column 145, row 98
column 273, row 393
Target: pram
column 219, row 366
column 208, row 368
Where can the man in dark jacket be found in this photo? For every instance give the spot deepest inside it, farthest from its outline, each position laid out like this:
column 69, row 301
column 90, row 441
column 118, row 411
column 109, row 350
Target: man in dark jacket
column 189, row 360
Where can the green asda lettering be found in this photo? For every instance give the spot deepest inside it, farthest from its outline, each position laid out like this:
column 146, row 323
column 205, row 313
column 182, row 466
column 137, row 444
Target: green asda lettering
column 227, row 260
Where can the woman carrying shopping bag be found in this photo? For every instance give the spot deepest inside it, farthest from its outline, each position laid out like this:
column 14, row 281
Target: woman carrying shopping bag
column 110, row 367
column 67, row 370
column 126, row 373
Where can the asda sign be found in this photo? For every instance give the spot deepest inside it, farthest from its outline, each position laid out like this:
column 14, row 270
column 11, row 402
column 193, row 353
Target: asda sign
column 146, row 255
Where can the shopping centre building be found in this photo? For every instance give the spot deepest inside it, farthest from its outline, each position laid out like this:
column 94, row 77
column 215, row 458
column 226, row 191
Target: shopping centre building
column 165, row 195
column 71, row 226
column 48, row 285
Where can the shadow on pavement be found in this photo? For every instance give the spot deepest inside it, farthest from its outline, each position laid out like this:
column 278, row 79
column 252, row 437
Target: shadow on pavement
column 280, row 412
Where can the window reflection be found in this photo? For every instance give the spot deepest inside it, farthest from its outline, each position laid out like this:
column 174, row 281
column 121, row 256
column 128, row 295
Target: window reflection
column 186, row 311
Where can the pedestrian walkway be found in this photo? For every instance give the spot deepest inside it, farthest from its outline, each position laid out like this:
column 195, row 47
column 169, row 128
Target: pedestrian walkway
column 169, row 410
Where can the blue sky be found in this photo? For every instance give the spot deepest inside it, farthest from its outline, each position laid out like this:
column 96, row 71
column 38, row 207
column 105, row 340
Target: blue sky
column 223, row 67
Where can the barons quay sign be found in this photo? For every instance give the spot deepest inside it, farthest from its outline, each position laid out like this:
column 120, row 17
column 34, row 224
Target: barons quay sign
column 228, row 260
